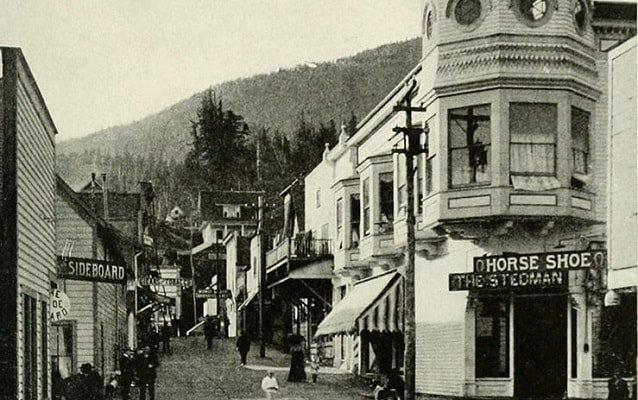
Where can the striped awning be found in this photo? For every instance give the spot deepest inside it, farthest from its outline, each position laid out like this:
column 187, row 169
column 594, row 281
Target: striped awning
column 373, row 304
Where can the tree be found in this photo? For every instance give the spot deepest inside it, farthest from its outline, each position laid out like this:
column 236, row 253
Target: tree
column 219, row 155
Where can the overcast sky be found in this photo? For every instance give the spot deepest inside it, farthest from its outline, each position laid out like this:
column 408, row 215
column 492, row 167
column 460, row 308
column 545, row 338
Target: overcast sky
column 100, row 63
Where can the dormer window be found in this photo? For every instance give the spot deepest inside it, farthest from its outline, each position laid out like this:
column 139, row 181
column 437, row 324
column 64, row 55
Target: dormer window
column 467, row 12
column 470, row 138
column 580, row 15
column 534, row 13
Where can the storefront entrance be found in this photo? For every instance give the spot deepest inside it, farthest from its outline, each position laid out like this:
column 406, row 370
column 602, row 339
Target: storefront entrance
column 540, row 346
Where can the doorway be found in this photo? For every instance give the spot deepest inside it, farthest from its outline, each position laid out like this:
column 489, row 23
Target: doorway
column 540, row 346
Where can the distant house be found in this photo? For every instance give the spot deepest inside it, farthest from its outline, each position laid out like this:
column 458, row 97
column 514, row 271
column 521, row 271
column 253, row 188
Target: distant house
column 27, row 231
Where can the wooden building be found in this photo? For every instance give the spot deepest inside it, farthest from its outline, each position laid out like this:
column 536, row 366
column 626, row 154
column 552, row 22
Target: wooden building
column 27, row 230
column 95, row 329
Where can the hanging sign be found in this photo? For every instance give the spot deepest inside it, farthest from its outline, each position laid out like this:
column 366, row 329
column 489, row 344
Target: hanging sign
column 526, row 270
column 59, row 305
column 85, row 269
column 212, row 294
column 150, row 281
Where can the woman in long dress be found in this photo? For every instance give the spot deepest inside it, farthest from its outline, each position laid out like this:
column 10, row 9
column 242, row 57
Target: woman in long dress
column 297, row 366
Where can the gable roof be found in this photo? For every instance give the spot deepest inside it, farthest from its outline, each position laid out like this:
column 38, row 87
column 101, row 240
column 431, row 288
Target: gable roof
column 77, row 203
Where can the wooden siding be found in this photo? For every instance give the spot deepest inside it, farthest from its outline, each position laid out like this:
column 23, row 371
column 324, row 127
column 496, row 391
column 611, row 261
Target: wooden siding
column 35, row 210
column 98, row 309
column 440, row 359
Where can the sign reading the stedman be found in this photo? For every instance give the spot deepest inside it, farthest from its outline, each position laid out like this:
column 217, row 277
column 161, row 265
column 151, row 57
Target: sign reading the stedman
column 85, row 269
column 526, row 270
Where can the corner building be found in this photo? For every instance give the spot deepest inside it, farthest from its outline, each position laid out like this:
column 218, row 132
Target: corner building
column 517, row 112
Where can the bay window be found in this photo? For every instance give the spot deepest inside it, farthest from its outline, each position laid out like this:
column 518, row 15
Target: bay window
column 469, row 137
column 355, row 217
column 386, row 203
column 402, row 187
column 580, row 140
column 339, row 211
column 365, row 189
column 533, row 128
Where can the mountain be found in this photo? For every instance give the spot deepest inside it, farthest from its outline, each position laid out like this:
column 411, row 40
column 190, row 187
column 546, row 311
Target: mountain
column 321, row 92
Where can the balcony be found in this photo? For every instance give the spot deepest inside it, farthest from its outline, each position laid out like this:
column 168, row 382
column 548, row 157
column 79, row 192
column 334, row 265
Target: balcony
column 294, row 253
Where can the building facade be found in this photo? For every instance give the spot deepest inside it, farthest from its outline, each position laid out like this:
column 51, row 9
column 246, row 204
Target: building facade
column 95, row 329
column 27, row 226
column 511, row 203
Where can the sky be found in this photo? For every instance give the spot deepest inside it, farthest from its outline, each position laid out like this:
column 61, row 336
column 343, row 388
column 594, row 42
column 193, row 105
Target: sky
column 101, row 63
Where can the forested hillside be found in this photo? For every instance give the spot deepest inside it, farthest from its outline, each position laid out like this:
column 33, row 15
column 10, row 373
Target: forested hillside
column 313, row 99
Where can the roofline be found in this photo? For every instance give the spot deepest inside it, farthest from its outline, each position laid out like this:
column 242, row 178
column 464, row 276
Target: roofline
column 33, row 82
column 88, row 212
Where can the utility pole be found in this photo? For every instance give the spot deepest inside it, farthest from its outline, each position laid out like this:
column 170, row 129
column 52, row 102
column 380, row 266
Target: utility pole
column 262, row 276
column 411, row 147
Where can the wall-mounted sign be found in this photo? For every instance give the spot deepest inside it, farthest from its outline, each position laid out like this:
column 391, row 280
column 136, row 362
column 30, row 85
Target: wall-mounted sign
column 150, row 281
column 526, row 270
column 59, row 305
column 471, row 280
column 212, row 294
column 85, row 269
column 565, row 260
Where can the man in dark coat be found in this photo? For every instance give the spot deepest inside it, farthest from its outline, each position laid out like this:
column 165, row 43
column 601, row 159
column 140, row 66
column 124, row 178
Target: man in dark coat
column 146, row 363
column 617, row 388
column 127, row 370
column 93, row 386
column 243, row 345
column 167, row 332
column 209, row 331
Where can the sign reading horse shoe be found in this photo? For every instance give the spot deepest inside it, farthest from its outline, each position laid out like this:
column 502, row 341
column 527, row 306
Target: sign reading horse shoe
column 60, row 305
column 85, row 269
column 526, row 270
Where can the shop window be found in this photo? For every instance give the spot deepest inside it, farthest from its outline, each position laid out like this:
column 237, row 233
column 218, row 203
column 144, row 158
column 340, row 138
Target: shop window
column 339, row 212
column 62, row 355
column 580, row 140
column 355, row 216
column 492, row 337
column 614, row 332
column 386, row 203
column 469, row 135
column 533, row 129
column 30, row 343
column 365, row 190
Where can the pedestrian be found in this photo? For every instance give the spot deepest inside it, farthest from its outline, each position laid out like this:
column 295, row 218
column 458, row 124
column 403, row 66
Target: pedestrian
column 127, row 372
column 269, row 385
column 92, row 383
column 315, row 362
column 209, row 331
column 154, row 339
column 146, row 364
column 167, row 332
column 617, row 387
column 243, row 345
column 297, row 371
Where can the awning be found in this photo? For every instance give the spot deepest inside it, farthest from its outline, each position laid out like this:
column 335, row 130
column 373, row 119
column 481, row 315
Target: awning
column 535, row 183
column 365, row 297
column 250, row 298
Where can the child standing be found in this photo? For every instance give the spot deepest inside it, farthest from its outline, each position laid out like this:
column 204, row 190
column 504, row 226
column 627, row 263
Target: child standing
column 314, row 366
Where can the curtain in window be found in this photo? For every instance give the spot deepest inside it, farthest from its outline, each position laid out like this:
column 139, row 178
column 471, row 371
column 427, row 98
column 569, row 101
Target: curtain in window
column 533, row 138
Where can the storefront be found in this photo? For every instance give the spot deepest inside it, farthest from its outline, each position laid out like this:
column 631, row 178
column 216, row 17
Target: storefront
column 536, row 327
